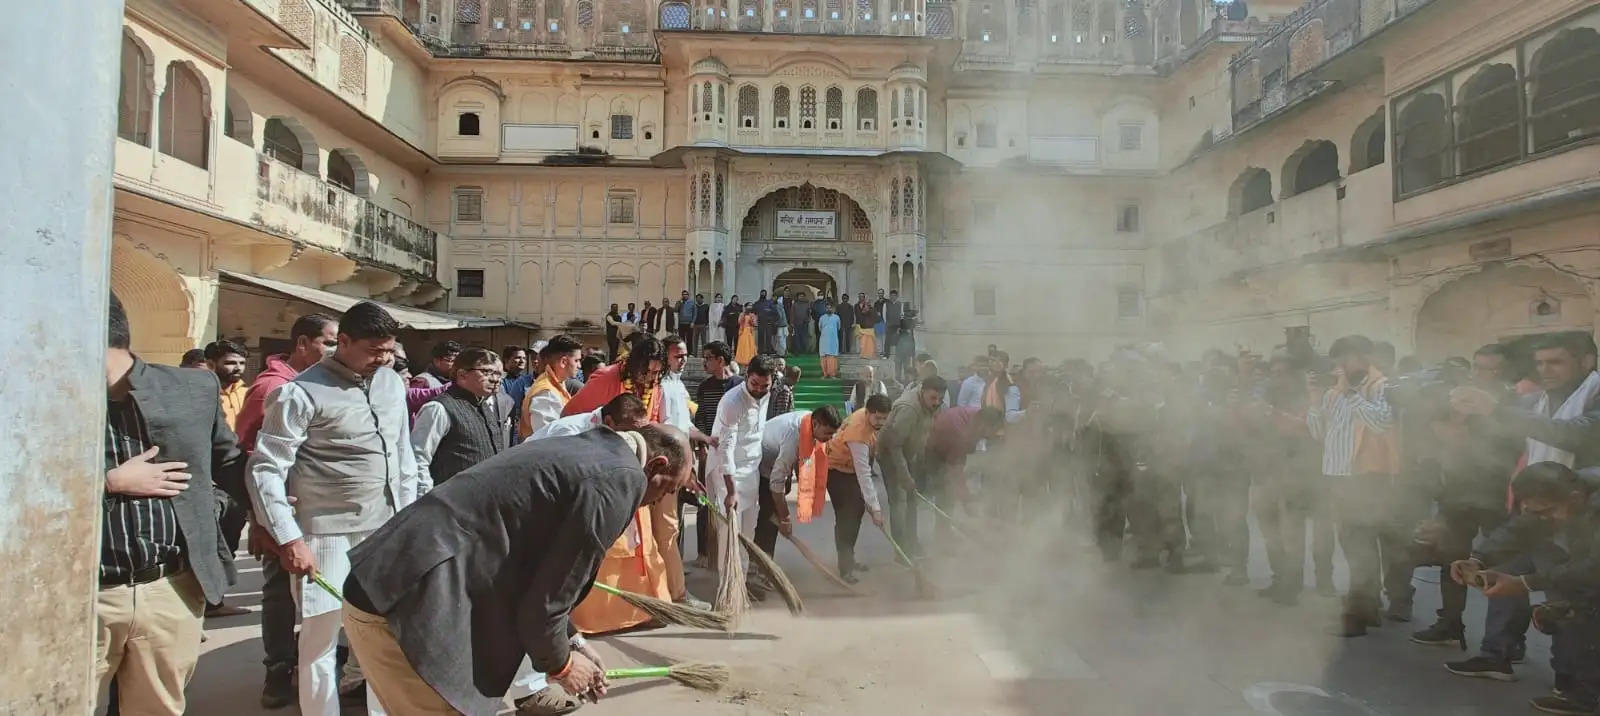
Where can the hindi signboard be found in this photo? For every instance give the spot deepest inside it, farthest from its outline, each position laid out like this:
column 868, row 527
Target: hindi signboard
column 796, row 224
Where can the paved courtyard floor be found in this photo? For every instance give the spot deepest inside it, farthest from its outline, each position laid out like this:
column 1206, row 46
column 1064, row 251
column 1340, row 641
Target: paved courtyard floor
column 1041, row 628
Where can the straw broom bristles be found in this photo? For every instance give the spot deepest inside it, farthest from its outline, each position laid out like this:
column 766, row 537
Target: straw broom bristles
column 924, row 587
column 762, row 561
column 701, row 677
column 669, row 612
column 698, row 676
column 733, row 598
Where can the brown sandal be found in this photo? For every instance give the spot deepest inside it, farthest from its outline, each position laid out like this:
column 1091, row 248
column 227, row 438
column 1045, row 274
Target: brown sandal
column 552, row 700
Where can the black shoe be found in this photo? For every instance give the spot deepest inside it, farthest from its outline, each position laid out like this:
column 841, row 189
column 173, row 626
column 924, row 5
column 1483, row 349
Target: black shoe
column 1519, row 652
column 278, row 690
column 1399, row 612
column 849, row 578
column 1561, row 705
column 1480, row 667
column 1442, row 634
column 1351, row 625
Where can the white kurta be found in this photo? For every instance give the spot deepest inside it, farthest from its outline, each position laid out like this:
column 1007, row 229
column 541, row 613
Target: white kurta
column 740, row 419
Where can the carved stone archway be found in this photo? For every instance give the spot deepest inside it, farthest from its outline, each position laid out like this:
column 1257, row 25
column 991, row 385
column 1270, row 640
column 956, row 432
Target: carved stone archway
column 1410, row 303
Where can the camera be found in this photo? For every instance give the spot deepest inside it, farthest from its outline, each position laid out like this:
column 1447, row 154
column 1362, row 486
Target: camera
column 1426, row 390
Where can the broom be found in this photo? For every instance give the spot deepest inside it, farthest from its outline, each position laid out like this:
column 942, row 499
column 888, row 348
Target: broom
column 761, row 560
column 701, row 677
column 954, row 524
column 805, row 551
column 924, row 587
column 316, row 577
column 733, row 597
column 669, row 612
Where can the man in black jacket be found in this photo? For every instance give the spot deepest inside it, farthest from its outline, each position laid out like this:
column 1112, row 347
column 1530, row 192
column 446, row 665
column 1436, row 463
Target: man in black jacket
column 162, row 557
column 1552, row 546
column 428, row 584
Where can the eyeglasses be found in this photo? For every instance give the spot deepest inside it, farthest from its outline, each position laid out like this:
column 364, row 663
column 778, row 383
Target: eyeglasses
column 490, row 372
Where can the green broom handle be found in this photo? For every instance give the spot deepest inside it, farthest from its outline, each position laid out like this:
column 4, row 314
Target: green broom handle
column 896, row 546
column 641, row 672
column 707, row 504
column 315, row 577
column 602, row 586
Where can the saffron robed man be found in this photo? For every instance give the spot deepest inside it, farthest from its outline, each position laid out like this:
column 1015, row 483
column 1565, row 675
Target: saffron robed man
column 428, row 585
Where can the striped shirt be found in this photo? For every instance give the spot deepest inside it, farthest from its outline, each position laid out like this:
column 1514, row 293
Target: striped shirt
column 136, row 533
column 1333, row 421
column 708, row 397
column 780, row 399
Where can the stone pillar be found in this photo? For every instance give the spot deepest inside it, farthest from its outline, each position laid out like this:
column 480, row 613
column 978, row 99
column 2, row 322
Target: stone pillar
column 707, row 239
column 57, row 217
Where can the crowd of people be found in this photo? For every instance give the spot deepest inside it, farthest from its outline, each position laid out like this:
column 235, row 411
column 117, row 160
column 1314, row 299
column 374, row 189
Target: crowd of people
column 796, row 320
column 474, row 502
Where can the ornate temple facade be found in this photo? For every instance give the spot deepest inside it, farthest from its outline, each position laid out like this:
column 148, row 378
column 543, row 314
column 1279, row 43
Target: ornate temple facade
column 1053, row 176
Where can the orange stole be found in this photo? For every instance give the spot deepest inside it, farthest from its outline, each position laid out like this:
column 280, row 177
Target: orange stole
column 813, row 492
column 640, row 570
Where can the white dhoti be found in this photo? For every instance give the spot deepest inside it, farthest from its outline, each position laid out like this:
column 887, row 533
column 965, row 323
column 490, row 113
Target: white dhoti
column 320, row 616
column 745, row 484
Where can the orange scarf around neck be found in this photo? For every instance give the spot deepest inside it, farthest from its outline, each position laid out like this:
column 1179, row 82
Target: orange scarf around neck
column 813, row 493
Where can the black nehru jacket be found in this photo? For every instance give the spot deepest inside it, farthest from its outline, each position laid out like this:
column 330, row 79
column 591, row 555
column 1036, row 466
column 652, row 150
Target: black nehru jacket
column 487, row 568
column 477, row 433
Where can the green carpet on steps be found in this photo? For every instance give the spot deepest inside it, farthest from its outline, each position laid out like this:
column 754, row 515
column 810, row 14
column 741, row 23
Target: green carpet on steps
column 815, row 391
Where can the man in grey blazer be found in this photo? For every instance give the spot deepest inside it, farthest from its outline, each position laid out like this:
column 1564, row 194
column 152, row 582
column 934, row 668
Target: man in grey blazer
column 161, row 555
column 444, row 601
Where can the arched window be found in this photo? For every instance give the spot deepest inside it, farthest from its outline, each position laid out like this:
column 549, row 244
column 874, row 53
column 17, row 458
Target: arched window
column 298, row 20
column 554, row 15
column 133, row 98
column 867, row 109
column 780, row 107
column 705, row 198
column 674, row 16
column 1564, row 101
column 585, row 13
column 988, row 129
column 908, row 208
column 1313, row 165
column 467, row 124
column 1252, row 190
column 1106, row 24
column 894, row 206
column 749, row 107
column 705, row 98
column 911, row 103
column 1487, row 117
column 352, row 66
column 808, row 9
column 894, row 108
column 986, row 21
column 282, row 143
column 340, row 172
column 185, row 116
column 864, row 10
column 808, row 108
column 237, row 123
column 720, row 203
column 835, row 108
column 1422, row 140
column 721, row 102
column 1367, row 144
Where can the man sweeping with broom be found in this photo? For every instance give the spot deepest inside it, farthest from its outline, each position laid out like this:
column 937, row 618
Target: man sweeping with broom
column 445, row 600
column 733, row 467
column 850, row 484
column 793, row 444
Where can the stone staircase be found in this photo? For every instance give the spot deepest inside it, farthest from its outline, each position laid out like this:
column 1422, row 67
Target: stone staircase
column 813, row 390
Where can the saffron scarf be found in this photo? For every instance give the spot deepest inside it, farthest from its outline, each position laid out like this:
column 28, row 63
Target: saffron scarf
column 813, row 493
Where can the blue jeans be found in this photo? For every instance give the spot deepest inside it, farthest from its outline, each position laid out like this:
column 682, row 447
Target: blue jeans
column 1506, row 623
